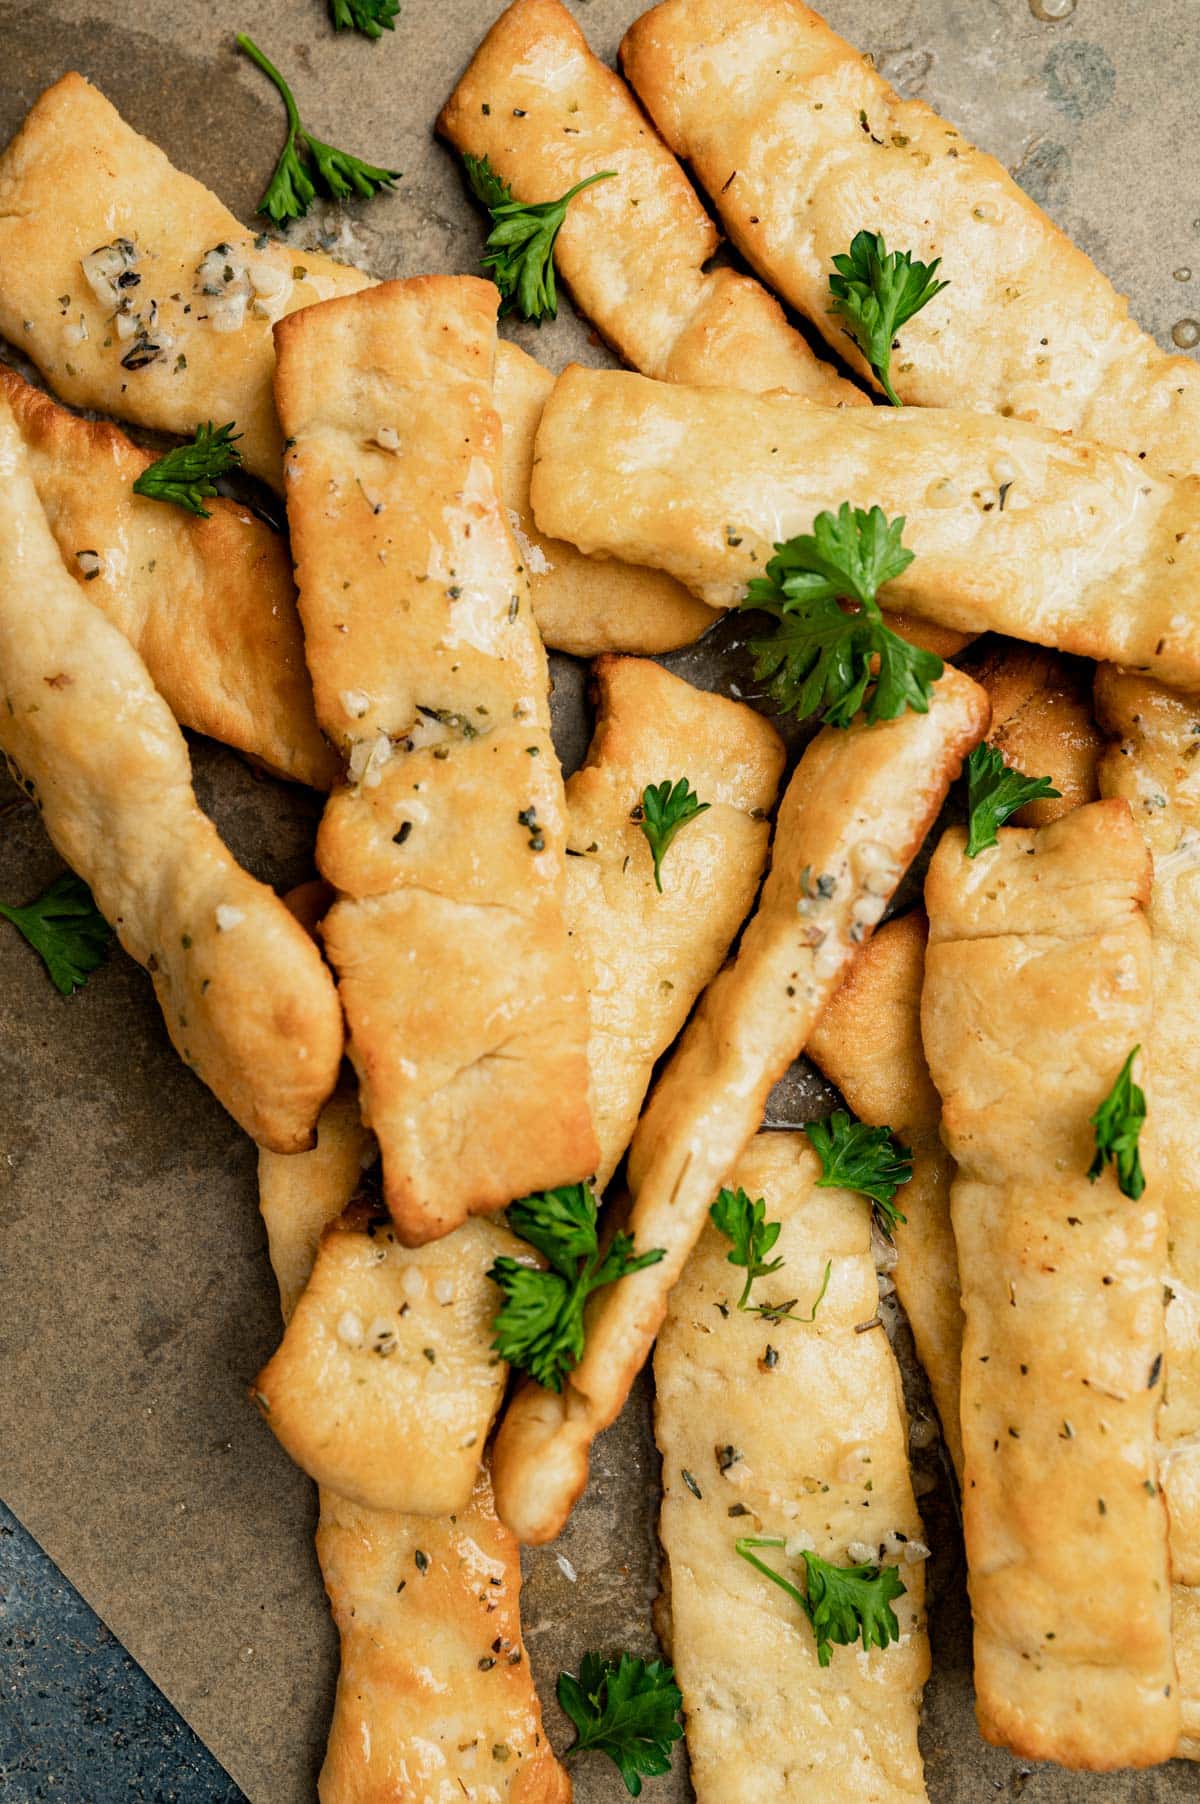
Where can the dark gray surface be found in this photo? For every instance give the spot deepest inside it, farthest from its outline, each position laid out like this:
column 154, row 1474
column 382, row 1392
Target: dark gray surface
column 135, row 1298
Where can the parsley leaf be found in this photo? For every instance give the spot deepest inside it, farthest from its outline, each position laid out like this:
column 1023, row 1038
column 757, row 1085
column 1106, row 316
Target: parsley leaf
column 867, row 1159
column 876, row 291
column 821, row 656
column 66, row 928
column 663, row 810
column 1118, row 1124
column 744, row 1222
column 843, row 1603
column 371, row 17
column 625, row 1708
column 187, row 475
column 292, row 188
column 540, row 1325
column 520, row 245
column 994, row 792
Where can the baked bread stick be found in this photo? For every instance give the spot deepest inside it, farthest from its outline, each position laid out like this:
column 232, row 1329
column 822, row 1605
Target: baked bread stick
column 856, row 810
column 546, row 113
column 246, row 1000
column 868, row 1041
column 808, row 1443
column 352, row 1392
column 208, row 605
column 1016, row 529
column 1150, row 764
column 419, row 1602
column 801, row 143
column 1037, row 986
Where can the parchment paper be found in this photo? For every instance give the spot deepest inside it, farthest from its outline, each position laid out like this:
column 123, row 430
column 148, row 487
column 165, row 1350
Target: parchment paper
column 135, row 1297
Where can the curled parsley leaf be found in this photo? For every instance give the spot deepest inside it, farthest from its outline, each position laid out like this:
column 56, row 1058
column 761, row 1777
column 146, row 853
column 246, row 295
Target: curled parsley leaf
column 876, row 291
column 821, row 656
column 626, row 1708
column 520, row 245
column 867, row 1159
column 662, row 811
column 994, row 792
column 188, row 475
column 843, row 1603
column 66, row 929
column 1118, row 1126
column 371, row 17
column 305, row 163
column 540, row 1324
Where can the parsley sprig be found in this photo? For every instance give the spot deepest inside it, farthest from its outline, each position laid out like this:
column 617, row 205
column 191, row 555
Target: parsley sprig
column 994, row 792
column 743, row 1221
column 1118, row 1126
column 540, row 1324
column 188, row 475
column 876, row 291
column 520, row 245
column 306, row 164
column 662, row 811
column 371, row 17
column 626, row 1708
column 66, row 929
column 822, row 656
column 843, row 1603
column 867, row 1159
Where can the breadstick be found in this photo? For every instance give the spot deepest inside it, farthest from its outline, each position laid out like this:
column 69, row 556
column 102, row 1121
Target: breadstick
column 1037, row 987
column 209, row 605
column 801, row 143
column 855, row 812
column 246, row 1000
column 1150, row 764
column 868, row 1041
column 460, row 991
column 796, row 1430
column 420, row 1603
column 1016, row 529
column 546, row 113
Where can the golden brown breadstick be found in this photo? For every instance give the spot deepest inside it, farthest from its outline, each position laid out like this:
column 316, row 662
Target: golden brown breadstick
column 795, row 1430
column 801, row 143
column 1016, row 529
column 245, row 997
column 208, row 605
column 1037, row 987
column 1155, row 735
column 547, row 113
column 461, row 995
column 852, row 818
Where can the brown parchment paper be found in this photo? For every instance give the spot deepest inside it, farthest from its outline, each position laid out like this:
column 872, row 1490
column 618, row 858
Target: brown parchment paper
column 135, row 1297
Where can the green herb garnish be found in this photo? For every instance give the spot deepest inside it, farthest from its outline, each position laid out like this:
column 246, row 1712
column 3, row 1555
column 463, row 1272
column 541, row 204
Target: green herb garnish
column 540, row 1324
column 843, row 1603
column 293, row 186
column 520, row 245
column 876, row 291
column 371, row 17
column 662, row 811
column 66, row 929
column 187, row 476
column 1118, row 1124
column 626, row 1708
column 867, row 1159
column 821, row 656
column 994, row 792
column 743, row 1221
